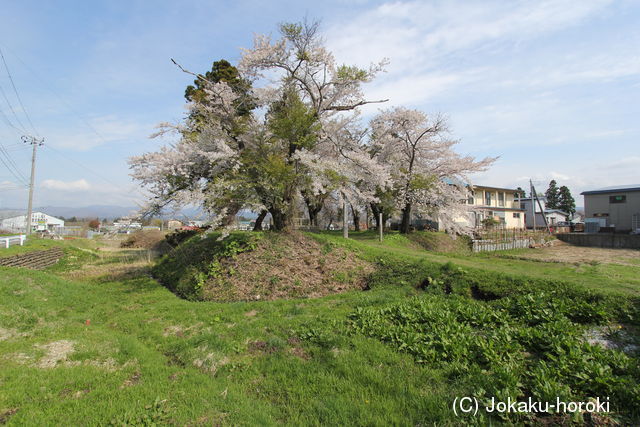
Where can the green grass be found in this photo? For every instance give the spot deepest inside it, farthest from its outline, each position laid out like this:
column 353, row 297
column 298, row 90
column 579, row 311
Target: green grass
column 34, row 243
column 147, row 356
column 608, row 278
column 150, row 332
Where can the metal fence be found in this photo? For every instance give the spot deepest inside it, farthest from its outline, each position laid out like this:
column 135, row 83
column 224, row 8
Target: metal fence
column 503, row 239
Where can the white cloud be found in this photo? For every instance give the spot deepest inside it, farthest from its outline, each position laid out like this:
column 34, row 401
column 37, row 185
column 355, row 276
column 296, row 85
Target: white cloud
column 68, row 186
column 9, row 185
column 559, row 176
column 417, row 32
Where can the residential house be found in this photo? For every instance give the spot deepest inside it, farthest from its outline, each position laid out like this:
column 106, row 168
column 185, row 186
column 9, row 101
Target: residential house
column 552, row 216
column 501, row 204
column 617, row 207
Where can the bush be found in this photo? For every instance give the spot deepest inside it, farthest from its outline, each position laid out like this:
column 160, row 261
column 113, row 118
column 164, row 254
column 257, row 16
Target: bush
column 177, row 237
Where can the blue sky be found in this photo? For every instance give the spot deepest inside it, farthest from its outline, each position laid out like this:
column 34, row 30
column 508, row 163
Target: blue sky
column 552, row 87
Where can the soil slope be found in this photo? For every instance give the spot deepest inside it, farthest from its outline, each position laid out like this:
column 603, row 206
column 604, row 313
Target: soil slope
column 265, row 266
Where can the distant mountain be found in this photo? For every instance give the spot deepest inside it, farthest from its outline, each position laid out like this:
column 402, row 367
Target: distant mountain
column 111, row 212
column 96, row 211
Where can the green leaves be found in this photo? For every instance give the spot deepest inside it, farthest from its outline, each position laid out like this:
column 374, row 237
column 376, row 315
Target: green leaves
column 527, row 345
column 351, row 73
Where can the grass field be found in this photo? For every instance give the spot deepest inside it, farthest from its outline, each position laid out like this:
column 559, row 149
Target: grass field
column 601, row 276
column 95, row 340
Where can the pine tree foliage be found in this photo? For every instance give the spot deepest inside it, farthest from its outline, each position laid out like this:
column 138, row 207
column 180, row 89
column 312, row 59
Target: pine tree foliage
column 552, row 195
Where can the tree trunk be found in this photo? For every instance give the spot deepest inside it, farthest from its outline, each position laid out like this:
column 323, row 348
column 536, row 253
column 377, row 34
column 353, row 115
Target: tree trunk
column 405, row 225
column 230, row 217
column 278, row 218
column 376, row 210
column 356, row 218
column 314, row 210
column 376, row 214
column 261, row 217
column 314, row 206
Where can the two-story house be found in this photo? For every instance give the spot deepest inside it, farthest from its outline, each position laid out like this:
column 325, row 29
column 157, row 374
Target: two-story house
column 501, row 204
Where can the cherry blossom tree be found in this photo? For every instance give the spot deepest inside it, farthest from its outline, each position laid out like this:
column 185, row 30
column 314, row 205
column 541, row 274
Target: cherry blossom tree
column 294, row 144
column 283, row 131
column 428, row 176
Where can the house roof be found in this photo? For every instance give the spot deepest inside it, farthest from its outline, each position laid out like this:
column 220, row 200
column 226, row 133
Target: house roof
column 614, row 189
column 542, row 198
column 555, row 210
column 492, row 187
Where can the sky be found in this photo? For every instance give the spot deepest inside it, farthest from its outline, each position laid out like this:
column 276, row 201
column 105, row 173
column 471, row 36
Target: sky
column 550, row 87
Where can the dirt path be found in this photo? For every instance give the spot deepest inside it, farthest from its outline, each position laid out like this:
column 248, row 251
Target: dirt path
column 579, row 254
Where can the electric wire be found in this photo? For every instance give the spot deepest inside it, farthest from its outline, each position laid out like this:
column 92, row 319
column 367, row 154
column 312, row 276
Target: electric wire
column 15, row 90
column 11, row 166
column 22, row 128
column 60, row 97
column 12, row 171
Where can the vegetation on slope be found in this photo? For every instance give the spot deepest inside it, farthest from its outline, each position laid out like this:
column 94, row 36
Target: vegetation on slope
column 260, row 266
column 114, row 346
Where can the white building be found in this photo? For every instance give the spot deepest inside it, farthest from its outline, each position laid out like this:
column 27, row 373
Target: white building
column 499, row 204
column 39, row 222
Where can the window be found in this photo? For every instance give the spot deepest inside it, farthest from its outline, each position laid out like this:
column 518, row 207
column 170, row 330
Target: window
column 600, row 215
column 617, row 199
column 516, row 214
column 471, row 200
column 500, row 199
column 487, row 198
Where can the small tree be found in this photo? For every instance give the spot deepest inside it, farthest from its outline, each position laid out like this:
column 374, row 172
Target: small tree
column 566, row 202
column 94, row 224
column 490, row 222
column 552, row 195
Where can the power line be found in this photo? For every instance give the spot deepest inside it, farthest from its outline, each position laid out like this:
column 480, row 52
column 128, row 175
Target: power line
column 8, row 122
column 15, row 90
column 60, row 97
column 11, row 166
column 22, row 128
column 12, row 172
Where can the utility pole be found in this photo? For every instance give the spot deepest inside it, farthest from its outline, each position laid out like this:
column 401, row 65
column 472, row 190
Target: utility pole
column 35, row 143
column 345, row 216
column 533, row 204
column 537, row 199
column 381, row 226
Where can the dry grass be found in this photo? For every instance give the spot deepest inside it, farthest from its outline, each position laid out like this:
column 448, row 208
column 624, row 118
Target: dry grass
column 150, row 239
column 288, row 266
column 562, row 252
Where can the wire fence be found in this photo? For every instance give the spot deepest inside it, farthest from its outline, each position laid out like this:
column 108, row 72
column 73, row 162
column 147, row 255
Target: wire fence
column 502, row 239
